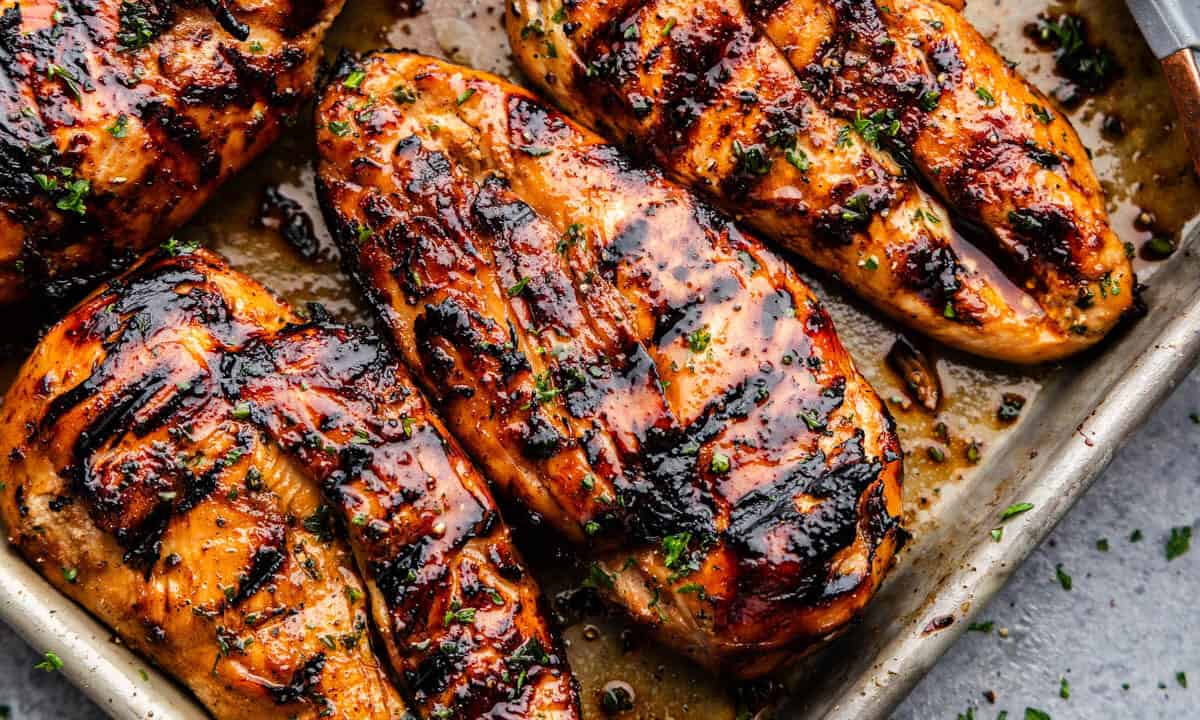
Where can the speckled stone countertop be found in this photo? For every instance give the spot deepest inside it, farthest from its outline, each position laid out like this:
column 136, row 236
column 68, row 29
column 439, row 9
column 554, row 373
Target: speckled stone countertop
column 1125, row 636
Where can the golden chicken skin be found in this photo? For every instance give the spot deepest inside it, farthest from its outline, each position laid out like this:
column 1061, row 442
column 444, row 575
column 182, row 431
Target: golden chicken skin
column 811, row 121
column 183, row 455
column 618, row 357
column 121, row 117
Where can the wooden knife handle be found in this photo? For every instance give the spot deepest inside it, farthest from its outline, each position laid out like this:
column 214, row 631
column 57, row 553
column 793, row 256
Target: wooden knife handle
column 1183, row 77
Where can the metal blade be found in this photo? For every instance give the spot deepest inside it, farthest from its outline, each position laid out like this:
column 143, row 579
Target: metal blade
column 1169, row 25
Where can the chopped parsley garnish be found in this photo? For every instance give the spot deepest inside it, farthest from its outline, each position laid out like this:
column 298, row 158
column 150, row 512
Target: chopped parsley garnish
column 843, row 137
column 1015, row 509
column 591, row 527
column 465, row 96
column 1136, row 536
column 404, row 94
column 699, row 339
column 255, row 46
column 798, row 159
column 174, row 248
column 50, row 662
column 631, row 32
column 668, row 27
column 74, row 193
column 339, row 127
column 1064, row 689
column 519, row 287
column 879, row 124
column 241, row 411
column 70, row 574
column 674, row 546
column 1063, row 578
column 1179, row 542
column 720, row 463
column 1181, row 678
column 1041, row 113
column 751, row 160
column 1035, row 714
column 543, row 390
column 1102, row 544
column 598, row 578
column 983, row 627
column 139, row 24
column 119, row 127
column 573, row 236
column 354, row 79
column 458, row 614
column 930, row 100
column 857, row 208
column 986, row 96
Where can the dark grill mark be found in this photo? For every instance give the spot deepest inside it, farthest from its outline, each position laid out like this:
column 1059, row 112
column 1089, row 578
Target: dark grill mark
column 303, row 684
column 266, row 562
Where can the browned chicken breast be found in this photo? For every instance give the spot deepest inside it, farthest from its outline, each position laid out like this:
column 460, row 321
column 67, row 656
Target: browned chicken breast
column 618, row 357
column 166, row 449
column 809, row 119
column 122, row 116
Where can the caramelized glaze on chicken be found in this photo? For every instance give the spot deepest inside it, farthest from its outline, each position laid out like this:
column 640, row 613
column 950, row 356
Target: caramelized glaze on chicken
column 122, row 116
column 618, row 357
column 182, row 453
column 812, row 119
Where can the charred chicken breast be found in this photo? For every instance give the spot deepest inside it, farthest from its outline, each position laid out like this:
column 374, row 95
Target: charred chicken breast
column 122, row 116
column 182, row 454
column 813, row 120
column 619, row 358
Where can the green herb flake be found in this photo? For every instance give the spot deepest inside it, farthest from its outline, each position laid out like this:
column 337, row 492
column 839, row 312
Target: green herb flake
column 673, row 547
column 997, row 534
column 982, row 627
column 699, row 339
column 598, row 578
column 986, row 96
column 241, row 411
column 797, row 159
column 1102, row 544
column 72, row 200
column 720, row 463
column 1015, row 509
column 1136, row 536
column 341, row 128
column 354, row 79
column 1035, row 714
column 465, row 96
column 120, row 126
column 1064, row 689
column 1063, row 578
column 70, row 575
column 68, row 78
column 591, row 527
column 519, row 287
column 50, row 662
column 1179, row 542
column 404, row 95
column 668, row 27
column 1181, row 678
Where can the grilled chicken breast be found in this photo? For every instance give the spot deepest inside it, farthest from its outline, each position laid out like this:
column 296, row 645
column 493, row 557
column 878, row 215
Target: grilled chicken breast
column 166, row 449
column 122, row 116
column 810, row 120
column 618, row 357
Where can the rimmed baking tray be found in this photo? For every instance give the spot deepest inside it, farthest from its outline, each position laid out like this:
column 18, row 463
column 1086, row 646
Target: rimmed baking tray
column 1076, row 417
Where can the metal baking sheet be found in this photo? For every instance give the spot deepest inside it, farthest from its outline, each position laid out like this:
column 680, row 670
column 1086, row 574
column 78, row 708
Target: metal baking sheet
column 1076, row 416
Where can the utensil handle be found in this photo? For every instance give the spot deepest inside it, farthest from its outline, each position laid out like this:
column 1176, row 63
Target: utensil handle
column 1182, row 69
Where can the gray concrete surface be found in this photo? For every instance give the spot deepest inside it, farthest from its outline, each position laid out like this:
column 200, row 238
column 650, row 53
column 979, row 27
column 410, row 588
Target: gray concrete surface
column 1130, row 619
